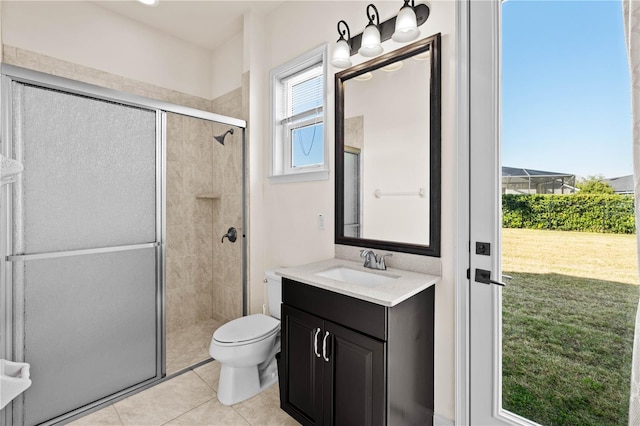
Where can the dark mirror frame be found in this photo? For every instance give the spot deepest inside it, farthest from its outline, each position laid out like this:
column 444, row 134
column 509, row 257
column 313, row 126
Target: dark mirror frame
column 431, row 44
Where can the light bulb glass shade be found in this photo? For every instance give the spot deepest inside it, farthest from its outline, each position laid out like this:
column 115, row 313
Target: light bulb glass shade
column 406, row 25
column 341, row 54
column 149, row 2
column 370, row 42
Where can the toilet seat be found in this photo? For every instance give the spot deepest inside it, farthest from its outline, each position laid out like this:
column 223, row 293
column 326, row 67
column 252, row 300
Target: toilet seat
column 246, row 330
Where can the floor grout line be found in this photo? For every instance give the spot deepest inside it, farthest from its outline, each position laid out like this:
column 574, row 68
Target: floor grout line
column 188, row 411
column 118, row 414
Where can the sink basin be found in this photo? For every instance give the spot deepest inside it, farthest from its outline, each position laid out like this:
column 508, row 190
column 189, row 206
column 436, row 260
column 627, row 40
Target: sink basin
column 353, row 276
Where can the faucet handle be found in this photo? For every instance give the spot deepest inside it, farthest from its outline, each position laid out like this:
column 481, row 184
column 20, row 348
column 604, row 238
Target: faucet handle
column 381, row 262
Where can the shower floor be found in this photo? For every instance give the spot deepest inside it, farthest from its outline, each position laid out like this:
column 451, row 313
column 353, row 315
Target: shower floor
column 190, row 345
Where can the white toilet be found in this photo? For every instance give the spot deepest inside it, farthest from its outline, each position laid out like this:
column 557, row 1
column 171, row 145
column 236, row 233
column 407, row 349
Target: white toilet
column 246, row 348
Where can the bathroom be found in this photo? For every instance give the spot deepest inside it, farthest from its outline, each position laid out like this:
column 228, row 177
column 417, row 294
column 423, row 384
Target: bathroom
column 114, row 47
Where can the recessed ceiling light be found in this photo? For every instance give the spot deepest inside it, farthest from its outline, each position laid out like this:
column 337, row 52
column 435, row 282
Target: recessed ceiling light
column 149, row 2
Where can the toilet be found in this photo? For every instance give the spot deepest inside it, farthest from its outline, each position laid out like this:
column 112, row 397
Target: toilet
column 246, row 348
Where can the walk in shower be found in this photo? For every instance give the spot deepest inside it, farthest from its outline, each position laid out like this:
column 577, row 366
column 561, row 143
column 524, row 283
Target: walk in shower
column 112, row 274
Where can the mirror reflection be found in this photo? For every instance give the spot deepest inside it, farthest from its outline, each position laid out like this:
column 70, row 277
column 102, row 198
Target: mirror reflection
column 388, row 179
column 386, row 153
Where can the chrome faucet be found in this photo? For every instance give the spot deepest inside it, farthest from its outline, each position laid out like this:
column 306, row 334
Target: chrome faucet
column 372, row 261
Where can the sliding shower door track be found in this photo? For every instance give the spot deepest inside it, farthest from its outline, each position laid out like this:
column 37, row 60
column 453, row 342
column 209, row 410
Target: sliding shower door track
column 53, row 255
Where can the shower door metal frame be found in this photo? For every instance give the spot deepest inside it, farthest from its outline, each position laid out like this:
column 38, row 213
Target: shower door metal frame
column 10, row 337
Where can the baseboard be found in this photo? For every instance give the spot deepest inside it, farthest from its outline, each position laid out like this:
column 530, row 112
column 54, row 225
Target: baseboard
column 439, row 420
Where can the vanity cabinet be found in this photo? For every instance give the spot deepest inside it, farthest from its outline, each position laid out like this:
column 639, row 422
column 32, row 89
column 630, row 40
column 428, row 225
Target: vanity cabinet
column 346, row 361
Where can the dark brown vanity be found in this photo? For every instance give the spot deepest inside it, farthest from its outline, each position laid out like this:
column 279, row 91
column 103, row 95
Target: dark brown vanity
column 351, row 362
column 357, row 349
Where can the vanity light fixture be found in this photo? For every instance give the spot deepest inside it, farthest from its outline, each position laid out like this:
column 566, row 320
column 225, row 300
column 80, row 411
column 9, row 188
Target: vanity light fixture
column 406, row 23
column 401, row 28
column 342, row 52
column 371, row 36
column 149, row 2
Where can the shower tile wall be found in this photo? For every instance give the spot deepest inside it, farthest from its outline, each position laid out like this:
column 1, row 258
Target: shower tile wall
column 227, row 169
column 189, row 221
column 204, row 277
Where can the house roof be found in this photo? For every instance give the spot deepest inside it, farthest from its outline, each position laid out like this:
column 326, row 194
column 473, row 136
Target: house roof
column 622, row 184
column 526, row 173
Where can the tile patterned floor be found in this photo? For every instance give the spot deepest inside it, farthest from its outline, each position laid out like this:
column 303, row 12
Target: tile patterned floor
column 190, row 400
column 190, row 345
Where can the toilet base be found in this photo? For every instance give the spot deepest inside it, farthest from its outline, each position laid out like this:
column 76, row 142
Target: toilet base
column 237, row 384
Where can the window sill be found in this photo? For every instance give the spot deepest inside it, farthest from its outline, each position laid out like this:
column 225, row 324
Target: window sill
column 301, row 177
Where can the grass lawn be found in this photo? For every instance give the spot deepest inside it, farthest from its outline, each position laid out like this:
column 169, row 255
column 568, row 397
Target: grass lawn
column 568, row 323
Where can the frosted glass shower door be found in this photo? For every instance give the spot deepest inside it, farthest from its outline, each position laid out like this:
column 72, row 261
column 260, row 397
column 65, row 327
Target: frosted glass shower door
column 86, row 256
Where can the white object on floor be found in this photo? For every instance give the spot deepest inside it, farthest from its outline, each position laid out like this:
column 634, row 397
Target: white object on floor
column 246, row 349
column 14, row 379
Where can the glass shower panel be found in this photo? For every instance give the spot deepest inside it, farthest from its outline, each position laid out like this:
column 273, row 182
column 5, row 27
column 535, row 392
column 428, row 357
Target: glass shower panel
column 90, row 172
column 87, row 323
column 90, row 328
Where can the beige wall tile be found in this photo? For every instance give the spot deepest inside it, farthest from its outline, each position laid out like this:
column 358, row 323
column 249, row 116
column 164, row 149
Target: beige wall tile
column 176, row 236
column 175, row 177
column 175, row 272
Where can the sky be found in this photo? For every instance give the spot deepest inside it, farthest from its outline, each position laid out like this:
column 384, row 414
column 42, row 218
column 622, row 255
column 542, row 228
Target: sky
column 566, row 102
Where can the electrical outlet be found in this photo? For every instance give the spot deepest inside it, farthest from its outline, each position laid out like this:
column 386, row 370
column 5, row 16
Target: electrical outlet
column 321, row 222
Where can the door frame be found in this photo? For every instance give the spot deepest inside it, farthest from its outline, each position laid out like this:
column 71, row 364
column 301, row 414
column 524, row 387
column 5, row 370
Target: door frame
column 462, row 355
column 478, row 35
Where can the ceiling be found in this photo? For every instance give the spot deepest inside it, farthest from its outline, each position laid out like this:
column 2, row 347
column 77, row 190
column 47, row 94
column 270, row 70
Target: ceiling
column 204, row 23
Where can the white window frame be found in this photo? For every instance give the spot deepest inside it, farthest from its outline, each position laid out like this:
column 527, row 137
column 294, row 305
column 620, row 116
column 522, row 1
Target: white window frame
column 281, row 167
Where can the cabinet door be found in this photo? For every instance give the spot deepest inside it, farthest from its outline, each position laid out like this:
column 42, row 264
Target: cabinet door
column 354, row 378
column 302, row 368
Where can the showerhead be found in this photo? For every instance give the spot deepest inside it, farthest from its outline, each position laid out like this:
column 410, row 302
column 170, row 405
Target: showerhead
column 221, row 137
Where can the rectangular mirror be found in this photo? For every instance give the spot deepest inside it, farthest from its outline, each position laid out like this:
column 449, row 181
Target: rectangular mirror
column 388, row 135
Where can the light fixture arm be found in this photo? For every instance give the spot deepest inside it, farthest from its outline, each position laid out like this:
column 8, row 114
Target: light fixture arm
column 373, row 15
column 345, row 30
column 387, row 27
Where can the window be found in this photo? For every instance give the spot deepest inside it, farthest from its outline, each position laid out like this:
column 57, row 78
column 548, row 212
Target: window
column 298, row 112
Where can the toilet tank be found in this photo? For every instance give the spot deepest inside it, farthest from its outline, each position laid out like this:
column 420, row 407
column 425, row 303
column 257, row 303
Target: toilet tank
column 274, row 293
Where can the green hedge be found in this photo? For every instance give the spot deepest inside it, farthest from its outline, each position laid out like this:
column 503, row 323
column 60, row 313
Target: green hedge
column 575, row 212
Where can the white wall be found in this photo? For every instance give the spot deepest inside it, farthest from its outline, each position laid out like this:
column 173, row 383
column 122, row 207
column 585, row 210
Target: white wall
column 226, row 66
column 86, row 34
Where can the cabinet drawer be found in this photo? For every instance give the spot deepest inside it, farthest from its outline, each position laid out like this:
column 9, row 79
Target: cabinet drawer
column 359, row 315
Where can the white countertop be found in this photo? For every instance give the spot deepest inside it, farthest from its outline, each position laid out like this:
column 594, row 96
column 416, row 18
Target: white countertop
column 405, row 284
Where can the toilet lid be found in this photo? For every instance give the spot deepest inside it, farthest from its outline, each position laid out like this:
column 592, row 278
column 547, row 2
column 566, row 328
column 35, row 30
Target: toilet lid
column 246, row 328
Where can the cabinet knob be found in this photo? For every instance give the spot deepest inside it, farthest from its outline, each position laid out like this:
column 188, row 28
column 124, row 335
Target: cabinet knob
column 324, row 347
column 315, row 343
